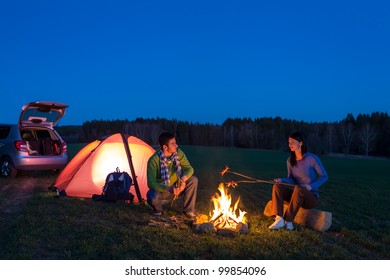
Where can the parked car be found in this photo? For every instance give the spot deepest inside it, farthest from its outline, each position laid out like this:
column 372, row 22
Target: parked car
column 33, row 143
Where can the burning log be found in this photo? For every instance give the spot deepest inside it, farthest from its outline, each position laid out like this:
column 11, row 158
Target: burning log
column 215, row 219
column 241, row 228
column 229, row 222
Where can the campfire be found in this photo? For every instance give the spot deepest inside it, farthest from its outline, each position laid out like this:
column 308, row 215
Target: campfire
column 224, row 214
column 226, row 218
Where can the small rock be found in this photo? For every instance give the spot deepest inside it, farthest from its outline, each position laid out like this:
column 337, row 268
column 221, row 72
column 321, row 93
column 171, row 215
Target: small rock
column 244, row 228
column 205, row 227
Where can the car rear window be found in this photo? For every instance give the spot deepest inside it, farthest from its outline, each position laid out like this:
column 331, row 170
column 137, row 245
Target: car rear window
column 4, row 131
column 44, row 116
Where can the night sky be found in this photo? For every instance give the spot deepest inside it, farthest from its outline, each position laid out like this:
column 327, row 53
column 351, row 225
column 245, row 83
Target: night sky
column 197, row 61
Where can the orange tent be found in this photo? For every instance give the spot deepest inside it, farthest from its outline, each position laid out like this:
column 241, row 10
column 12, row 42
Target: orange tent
column 86, row 173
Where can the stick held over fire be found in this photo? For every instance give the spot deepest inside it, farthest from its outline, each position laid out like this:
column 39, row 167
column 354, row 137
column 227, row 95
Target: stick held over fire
column 234, row 184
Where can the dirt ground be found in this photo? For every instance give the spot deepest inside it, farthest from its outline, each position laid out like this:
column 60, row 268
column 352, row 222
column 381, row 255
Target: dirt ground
column 15, row 192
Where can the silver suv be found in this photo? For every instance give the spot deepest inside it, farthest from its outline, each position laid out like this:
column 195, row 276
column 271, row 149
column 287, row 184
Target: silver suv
column 33, row 143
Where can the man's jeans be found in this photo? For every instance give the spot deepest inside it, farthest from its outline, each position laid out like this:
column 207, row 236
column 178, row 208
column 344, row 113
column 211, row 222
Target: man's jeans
column 155, row 198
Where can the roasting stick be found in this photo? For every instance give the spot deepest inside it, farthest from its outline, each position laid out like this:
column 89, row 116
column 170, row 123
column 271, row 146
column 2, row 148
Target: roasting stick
column 251, row 180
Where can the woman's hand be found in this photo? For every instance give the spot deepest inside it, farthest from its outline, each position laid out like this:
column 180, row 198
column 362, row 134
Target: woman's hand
column 307, row 186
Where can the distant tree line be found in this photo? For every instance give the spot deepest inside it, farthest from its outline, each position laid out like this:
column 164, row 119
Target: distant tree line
column 367, row 135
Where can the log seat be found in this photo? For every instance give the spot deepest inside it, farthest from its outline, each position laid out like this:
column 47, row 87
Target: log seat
column 312, row 218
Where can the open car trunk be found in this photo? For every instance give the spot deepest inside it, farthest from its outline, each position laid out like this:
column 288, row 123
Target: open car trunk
column 41, row 142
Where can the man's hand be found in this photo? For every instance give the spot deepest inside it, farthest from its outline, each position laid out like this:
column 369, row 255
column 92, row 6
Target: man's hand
column 179, row 188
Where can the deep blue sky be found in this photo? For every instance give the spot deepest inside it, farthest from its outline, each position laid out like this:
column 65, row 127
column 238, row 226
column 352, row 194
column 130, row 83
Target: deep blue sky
column 198, row 61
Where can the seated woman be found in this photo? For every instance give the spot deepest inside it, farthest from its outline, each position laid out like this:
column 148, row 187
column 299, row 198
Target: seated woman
column 306, row 171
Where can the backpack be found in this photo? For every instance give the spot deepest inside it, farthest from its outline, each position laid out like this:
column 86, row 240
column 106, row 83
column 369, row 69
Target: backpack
column 117, row 187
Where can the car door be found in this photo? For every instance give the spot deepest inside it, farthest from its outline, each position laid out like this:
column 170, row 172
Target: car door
column 42, row 113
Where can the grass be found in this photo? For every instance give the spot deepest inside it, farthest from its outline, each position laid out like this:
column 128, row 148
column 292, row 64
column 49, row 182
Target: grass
column 44, row 227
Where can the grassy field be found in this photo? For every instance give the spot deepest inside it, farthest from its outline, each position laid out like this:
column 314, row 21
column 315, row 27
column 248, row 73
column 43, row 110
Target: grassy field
column 37, row 225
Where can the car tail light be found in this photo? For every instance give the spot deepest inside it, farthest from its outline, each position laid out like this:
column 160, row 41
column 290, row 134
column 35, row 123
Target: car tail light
column 64, row 147
column 20, row 146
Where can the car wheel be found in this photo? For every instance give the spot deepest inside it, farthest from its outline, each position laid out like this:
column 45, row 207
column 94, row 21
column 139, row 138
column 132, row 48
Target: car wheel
column 7, row 168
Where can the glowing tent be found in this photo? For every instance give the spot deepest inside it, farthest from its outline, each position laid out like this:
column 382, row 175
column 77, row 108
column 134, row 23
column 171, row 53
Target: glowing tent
column 86, row 173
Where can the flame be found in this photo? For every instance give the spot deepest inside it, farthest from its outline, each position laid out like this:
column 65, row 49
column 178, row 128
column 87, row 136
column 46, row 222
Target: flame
column 224, row 215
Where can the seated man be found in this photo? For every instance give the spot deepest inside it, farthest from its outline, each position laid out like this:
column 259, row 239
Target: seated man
column 170, row 174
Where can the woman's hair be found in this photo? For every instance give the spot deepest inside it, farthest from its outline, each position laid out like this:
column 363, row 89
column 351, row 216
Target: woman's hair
column 297, row 136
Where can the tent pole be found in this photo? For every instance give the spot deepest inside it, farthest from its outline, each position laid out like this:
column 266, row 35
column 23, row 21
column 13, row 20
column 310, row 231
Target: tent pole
column 129, row 157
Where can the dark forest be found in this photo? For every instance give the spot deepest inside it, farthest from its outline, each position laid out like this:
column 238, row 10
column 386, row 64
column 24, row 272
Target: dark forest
column 365, row 134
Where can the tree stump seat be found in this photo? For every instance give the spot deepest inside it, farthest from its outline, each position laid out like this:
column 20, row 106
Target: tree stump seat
column 312, row 218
